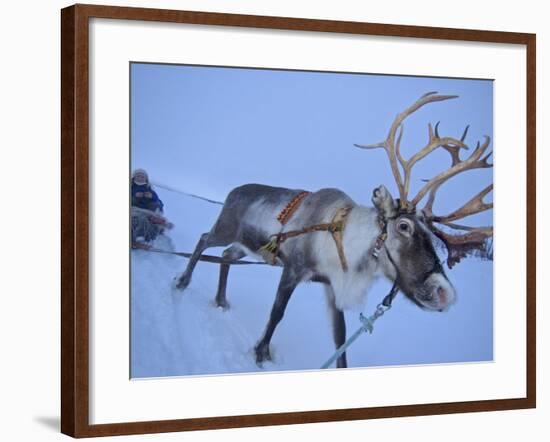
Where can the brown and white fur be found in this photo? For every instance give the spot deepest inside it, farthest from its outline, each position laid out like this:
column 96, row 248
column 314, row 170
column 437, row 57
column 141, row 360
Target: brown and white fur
column 249, row 218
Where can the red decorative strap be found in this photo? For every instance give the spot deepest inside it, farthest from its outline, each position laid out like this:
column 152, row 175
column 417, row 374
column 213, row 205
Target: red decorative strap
column 291, row 207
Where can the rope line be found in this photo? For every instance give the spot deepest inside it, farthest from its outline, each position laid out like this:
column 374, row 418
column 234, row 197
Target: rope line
column 367, row 326
column 205, row 258
column 192, row 195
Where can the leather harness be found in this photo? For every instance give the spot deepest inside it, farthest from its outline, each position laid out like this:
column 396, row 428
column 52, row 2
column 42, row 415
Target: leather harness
column 335, row 227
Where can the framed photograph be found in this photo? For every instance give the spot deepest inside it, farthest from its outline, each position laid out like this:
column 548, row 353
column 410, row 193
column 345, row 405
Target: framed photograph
column 272, row 220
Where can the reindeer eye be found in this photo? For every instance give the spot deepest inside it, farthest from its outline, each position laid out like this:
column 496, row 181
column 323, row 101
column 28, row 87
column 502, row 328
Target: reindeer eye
column 403, row 226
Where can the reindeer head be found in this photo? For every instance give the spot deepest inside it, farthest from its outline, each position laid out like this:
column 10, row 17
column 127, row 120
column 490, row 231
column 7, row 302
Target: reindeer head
column 408, row 245
column 407, row 255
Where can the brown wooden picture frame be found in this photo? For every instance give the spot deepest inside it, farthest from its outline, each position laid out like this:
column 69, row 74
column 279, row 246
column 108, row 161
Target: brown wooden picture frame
column 75, row 219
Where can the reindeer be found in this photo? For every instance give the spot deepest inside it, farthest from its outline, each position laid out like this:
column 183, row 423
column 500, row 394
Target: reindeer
column 394, row 239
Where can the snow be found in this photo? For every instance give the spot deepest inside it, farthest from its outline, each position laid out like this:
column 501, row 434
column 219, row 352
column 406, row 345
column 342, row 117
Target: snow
column 177, row 333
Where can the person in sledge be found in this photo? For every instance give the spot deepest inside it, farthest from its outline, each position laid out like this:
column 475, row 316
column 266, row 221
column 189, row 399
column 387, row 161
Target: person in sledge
column 143, row 195
column 147, row 208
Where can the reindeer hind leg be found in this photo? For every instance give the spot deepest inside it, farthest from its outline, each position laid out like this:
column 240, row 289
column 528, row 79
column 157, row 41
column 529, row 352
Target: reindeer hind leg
column 206, row 240
column 232, row 253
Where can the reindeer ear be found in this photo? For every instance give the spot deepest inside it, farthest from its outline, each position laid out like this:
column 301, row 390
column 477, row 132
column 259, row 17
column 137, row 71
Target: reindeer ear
column 384, row 202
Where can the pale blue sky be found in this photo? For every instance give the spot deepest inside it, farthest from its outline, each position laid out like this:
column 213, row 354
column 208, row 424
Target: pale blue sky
column 293, row 129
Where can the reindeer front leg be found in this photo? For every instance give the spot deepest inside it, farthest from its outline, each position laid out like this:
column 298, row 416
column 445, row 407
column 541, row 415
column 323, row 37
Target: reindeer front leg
column 338, row 326
column 287, row 284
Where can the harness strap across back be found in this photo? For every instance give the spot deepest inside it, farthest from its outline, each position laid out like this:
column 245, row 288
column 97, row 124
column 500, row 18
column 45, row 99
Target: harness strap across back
column 291, row 207
column 335, row 227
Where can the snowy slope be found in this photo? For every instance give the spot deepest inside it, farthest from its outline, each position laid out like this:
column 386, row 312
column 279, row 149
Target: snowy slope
column 182, row 333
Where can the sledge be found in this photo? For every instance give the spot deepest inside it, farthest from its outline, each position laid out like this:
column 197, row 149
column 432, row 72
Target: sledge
column 146, row 226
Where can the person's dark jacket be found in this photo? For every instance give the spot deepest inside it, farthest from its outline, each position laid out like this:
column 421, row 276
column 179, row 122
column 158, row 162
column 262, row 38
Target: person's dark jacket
column 144, row 197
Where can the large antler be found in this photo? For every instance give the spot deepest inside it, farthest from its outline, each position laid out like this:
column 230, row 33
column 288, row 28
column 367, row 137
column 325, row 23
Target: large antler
column 392, row 145
column 470, row 239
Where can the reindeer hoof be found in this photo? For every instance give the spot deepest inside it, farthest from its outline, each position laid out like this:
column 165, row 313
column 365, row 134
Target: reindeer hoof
column 224, row 305
column 262, row 354
column 183, row 282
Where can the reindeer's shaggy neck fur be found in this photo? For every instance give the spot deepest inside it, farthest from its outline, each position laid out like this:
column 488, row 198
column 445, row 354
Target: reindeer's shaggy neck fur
column 351, row 287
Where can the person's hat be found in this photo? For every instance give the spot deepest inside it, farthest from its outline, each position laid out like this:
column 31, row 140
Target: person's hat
column 139, row 176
